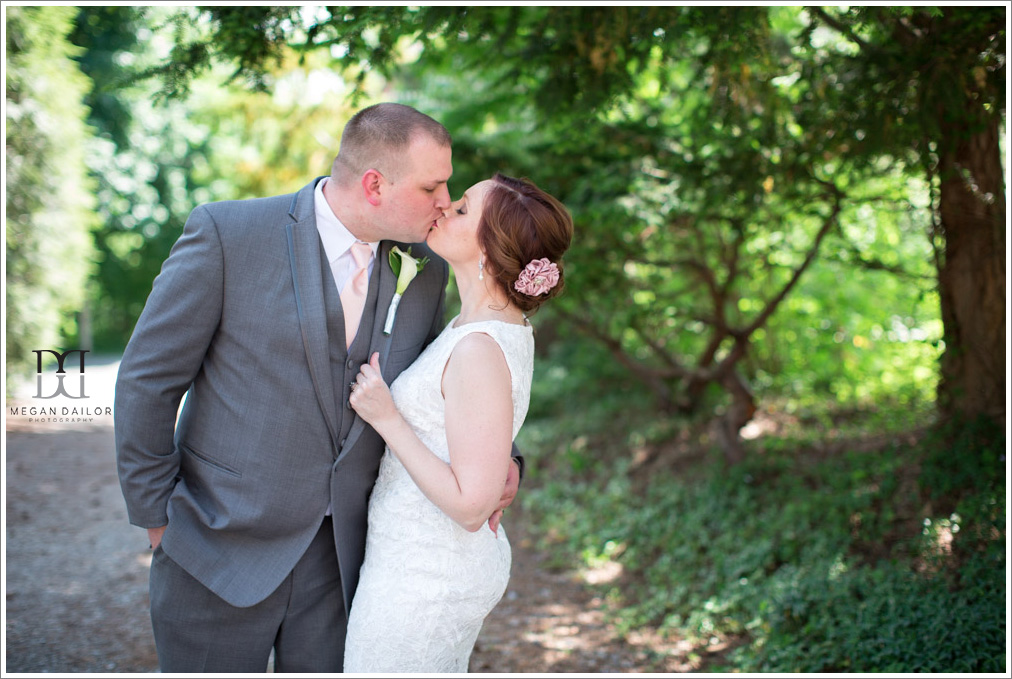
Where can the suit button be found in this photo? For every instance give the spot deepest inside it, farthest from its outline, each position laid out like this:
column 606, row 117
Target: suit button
column 343, row 441
column 351, row 364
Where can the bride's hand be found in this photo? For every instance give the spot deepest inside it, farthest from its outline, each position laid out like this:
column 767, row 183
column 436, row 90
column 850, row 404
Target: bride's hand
column 370, row 396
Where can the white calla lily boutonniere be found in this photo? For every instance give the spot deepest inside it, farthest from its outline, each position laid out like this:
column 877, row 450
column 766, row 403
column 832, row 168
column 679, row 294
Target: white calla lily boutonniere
column 405, row 267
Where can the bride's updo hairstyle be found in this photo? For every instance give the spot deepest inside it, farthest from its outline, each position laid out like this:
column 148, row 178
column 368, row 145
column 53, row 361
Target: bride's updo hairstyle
column 524, row 233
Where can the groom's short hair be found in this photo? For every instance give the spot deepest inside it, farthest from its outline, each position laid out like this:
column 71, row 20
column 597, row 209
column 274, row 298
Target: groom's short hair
column 377, row 136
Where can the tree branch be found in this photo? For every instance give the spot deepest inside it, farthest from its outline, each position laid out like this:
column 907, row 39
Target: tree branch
column 841, row 27
column 873, row 264
column 675, row 369
column 651, row 378
column 813, row 250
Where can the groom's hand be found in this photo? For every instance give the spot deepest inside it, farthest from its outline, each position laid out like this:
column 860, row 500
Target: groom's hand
column 155, row 536
column 509, row 494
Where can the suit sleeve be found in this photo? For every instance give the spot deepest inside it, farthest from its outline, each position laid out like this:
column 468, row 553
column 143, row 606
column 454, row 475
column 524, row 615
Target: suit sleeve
column 160, row 362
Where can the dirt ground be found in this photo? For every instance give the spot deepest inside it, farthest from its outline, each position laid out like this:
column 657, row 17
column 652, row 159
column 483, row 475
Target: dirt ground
column 77, row 572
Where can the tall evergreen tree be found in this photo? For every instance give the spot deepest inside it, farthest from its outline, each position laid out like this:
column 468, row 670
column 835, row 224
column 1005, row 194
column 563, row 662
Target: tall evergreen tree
column 927, row 85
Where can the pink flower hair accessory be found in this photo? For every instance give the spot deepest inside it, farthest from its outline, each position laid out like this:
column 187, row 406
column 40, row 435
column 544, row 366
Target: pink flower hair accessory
column 537, row 278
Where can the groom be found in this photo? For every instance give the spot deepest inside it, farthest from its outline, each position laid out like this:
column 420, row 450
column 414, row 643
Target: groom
column 255, row 501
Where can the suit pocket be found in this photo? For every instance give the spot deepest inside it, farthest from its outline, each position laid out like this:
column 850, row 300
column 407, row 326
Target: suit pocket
column 209, row 461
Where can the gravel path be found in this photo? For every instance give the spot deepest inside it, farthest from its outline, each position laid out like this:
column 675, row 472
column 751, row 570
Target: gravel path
column 77, row 572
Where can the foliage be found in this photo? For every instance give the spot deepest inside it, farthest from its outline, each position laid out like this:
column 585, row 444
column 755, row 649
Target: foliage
column 700, row 197
column 694, row 211
column 885, row 620
column 49, row 201
column 154, row 161
column 964, row 474
column 140, row 161
column 807, row 558
column 704, row 188
column 881, row 88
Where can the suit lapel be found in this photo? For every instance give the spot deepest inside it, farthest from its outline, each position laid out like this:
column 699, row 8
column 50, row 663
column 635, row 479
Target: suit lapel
column 387, row 287
column 304, row 253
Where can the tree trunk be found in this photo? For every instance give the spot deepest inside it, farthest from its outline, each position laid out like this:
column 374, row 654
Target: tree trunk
column 971, row 277
column 738, row 414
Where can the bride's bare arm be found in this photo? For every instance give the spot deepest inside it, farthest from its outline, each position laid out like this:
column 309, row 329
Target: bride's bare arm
column 479, row 430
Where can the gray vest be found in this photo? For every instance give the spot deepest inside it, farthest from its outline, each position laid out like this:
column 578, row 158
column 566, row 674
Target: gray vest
column 346, row 363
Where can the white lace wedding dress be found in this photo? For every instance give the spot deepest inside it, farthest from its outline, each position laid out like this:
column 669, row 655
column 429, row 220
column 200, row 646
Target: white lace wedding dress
column 427, row 584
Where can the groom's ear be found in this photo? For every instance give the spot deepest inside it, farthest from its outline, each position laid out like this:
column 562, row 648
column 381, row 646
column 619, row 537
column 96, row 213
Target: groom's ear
column 372, row 184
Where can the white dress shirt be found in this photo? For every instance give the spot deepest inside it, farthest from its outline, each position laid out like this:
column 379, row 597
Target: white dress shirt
column 337, row 240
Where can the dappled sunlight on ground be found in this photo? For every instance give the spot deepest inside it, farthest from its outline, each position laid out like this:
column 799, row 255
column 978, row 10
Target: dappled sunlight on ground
column 551, row 621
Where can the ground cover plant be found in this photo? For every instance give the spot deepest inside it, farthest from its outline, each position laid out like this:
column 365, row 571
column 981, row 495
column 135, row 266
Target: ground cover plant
column 855, row 553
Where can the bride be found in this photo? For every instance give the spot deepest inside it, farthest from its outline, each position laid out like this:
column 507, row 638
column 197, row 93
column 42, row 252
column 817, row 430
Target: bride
column 433, row 567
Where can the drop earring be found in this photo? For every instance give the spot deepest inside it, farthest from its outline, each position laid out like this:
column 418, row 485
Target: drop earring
column 481, row 269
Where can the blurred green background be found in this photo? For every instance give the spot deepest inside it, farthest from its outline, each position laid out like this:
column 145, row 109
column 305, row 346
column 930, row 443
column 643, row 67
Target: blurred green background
column 773, row 395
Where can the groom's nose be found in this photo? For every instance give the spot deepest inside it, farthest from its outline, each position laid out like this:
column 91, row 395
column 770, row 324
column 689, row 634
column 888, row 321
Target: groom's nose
column 443, row 198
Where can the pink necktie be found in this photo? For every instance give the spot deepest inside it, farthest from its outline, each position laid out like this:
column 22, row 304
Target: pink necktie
column 355, row 290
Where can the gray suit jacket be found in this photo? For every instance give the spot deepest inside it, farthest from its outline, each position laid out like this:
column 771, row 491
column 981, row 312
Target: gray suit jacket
column 236, row 320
